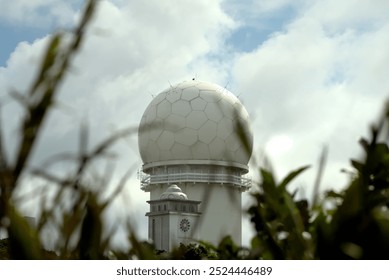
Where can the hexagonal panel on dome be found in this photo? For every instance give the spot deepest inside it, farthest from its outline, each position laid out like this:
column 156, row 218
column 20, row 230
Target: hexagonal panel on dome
column 207, row 132
column 159, row 97
column 181, row 108
column 174, row 123
column 190, row 93
column 242, row 155
column 186, row 136
column 155, row 132
column 180, row 151
column 210, row 96
column 196, row 119
column 143, row 140
column 165, row 154
column 173, row 97
column 165, row 140
column 198, row 104
column 164, row 109
column 233, row 142
column 152, row 115
column 200, row 151
column 228, row 109
column 208, row 86
column 224, row 128
column 153, row 151
column 217, row 148
column 214, row 112
column 143, row 128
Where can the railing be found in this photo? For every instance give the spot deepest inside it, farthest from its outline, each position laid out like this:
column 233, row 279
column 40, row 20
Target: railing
column 147, row 180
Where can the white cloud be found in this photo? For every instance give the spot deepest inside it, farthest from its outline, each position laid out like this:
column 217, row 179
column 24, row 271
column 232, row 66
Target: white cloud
column 130, row 53
column 279, row 145
column 38, row 13
column 321, row 80
column 133, row 50
column 338, row 16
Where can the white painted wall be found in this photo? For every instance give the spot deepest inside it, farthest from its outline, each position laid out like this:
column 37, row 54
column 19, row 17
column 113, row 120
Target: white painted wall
column 167, row 228
column 221, row 208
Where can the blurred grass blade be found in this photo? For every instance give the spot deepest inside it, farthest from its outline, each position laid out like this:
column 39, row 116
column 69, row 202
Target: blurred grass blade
column 23, row 239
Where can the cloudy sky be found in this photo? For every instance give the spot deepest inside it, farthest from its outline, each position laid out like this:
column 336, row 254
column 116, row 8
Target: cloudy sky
column 311, row 73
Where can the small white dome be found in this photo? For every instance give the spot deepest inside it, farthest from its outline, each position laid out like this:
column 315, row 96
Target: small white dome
column 174, row 192
column 195, row 121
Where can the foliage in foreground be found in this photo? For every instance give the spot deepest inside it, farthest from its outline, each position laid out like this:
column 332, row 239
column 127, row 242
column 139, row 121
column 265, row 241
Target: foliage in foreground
column 353, row 224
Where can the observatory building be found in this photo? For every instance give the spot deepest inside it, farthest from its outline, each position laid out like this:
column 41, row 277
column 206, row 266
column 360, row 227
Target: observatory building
column 195, row 142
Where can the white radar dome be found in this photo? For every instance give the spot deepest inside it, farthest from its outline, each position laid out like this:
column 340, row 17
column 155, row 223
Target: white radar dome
column 195, row 122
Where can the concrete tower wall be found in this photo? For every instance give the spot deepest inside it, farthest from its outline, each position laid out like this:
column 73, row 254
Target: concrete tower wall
column 173, row 219
column 221, row 206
